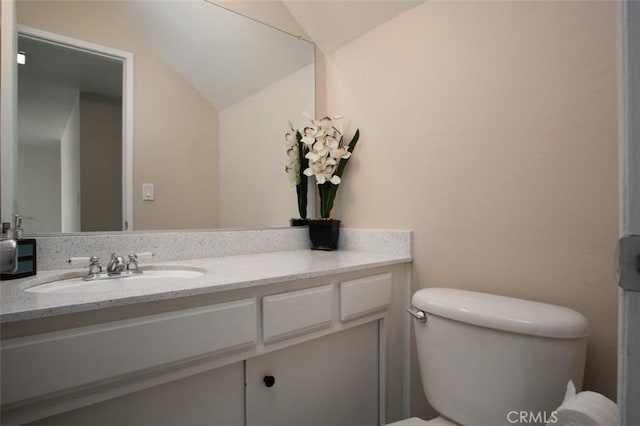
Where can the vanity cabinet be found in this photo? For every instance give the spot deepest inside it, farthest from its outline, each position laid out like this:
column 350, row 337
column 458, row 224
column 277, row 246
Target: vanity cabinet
column 320, row 351
column 332, row 380
column 215, row 397
column 38, row 365
column 328, row 381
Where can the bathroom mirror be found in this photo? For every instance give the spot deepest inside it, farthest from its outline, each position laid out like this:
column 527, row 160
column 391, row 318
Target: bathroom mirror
column 211, row 93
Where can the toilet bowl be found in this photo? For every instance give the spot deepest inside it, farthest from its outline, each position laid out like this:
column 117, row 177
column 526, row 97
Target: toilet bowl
column 485, row 359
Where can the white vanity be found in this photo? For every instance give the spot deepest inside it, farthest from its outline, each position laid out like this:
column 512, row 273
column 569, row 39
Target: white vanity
column 288, row 337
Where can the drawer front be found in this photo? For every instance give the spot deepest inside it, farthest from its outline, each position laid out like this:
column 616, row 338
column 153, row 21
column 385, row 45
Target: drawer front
column 365, row 295
column 296, row 312
column 50, row 362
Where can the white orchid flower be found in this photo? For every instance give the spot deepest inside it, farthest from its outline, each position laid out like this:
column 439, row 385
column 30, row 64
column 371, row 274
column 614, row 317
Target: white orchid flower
column 318, row 149
column 292, row 152
column 323, row 139
column 331, row 143
column 322, row 170
column 290, row 139
column 293, row 170
column 310, row 135
column 313, row 156
column 326, row 123
column 340, row 152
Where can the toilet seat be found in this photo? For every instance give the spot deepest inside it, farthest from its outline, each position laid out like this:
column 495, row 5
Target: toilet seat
column 414, row 421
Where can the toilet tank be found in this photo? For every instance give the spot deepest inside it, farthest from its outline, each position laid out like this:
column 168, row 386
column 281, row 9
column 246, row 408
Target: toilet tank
column 483, row 357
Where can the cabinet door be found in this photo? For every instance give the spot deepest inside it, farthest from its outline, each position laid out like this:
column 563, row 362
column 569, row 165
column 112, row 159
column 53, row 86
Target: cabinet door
column 330, row 381
column 215, row 397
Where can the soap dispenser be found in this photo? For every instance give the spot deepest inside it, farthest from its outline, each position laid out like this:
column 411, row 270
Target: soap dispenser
column 25, row 252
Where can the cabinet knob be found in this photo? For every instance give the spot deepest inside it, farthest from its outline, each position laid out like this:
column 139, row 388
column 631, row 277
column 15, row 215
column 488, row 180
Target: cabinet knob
column 269, row 381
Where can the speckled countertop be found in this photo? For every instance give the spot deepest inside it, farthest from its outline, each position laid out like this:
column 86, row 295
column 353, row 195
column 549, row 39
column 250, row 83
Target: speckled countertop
column 222, row 274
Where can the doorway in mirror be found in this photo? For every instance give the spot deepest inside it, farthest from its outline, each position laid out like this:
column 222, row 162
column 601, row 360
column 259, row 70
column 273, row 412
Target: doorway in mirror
column 71, row 135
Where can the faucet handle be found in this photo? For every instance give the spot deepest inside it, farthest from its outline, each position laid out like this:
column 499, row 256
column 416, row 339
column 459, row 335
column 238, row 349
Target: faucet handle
column 95, row 267
column 82, row 259
column 144, row 255
column 132, row 264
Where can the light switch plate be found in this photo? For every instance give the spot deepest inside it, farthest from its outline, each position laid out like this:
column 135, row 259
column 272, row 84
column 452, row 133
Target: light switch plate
column 147, row 192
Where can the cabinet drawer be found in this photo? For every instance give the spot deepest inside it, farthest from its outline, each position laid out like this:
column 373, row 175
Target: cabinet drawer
column 295, row 312
column 365, row 295
column 50, row 362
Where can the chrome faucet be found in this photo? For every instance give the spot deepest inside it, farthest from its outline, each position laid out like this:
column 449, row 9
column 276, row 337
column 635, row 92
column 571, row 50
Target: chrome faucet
column 116, row 268
column 116, row 265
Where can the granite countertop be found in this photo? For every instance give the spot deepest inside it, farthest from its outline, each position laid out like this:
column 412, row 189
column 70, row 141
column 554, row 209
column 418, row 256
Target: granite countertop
column 222, row 274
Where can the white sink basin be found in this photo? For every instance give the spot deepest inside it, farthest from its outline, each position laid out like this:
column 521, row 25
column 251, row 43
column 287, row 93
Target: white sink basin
column 151, row 277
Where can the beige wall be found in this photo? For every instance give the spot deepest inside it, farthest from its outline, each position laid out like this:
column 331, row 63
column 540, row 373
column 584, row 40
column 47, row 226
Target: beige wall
column 100, row 163
column 262, row 183
column 489, row 128
column 175, row 129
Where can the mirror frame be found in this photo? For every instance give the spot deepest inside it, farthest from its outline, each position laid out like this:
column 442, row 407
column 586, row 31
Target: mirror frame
column 8, row 110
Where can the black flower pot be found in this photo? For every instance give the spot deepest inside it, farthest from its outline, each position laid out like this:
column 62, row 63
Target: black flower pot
column 324, row 234
column 298, row 222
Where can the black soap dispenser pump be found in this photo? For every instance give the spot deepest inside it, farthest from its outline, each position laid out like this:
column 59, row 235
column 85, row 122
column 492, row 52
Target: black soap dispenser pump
column 26, row 247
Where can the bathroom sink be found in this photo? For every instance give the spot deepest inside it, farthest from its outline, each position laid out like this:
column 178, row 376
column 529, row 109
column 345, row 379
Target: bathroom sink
column 151, row 277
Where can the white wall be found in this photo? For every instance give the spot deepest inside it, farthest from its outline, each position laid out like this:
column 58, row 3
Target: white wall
column 39, row 186
column 70, row 171
column 245, row 132
column 489, row 128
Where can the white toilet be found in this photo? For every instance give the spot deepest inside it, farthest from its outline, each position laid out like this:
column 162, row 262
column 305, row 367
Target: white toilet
column 486, row 359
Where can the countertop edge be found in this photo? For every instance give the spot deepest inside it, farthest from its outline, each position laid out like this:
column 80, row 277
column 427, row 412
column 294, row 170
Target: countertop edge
column 38, row 313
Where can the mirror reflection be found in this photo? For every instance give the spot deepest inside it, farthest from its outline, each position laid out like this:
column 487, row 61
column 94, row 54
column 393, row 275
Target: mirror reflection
column 70, row 138
column 210, row 96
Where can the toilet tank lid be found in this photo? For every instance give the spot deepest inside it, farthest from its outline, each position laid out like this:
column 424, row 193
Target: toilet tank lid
column 502, row 313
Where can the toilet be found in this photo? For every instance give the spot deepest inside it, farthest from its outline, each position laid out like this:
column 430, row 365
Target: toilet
column 488, row 360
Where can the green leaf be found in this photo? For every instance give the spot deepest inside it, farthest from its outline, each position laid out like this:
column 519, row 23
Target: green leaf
column 302, row 186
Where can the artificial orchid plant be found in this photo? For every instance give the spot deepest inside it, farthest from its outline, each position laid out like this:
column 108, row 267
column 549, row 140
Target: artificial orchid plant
column 322, row 144
column 296, row 151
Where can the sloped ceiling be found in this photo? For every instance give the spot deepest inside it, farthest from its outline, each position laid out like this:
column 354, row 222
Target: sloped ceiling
column 225, row 56
column 270, row 12
column 333, row 23
column 208, row 45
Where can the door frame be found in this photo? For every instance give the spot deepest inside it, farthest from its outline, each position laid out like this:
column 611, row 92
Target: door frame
column 10, row 110
column 629, row 166
column 127, row 104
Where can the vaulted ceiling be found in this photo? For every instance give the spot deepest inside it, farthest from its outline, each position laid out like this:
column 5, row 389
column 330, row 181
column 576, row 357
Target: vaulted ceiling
column 208, row 45
column 333, row 23
column 330, row 24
